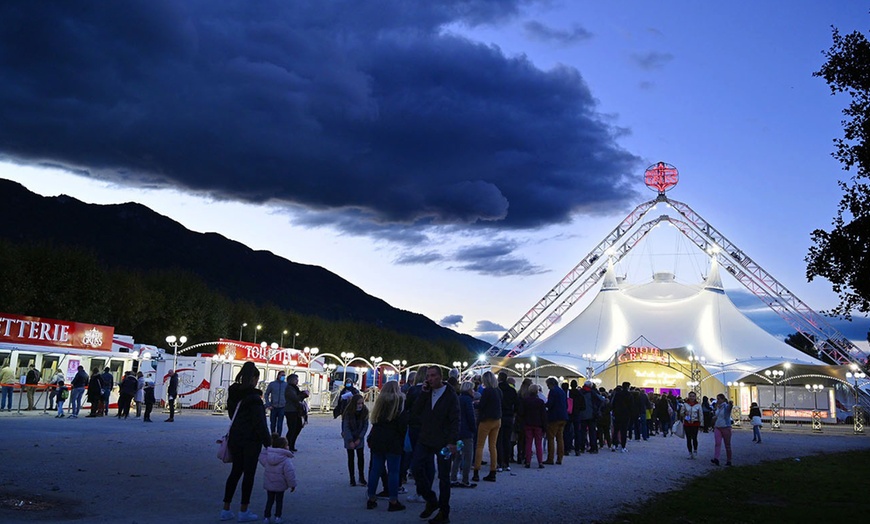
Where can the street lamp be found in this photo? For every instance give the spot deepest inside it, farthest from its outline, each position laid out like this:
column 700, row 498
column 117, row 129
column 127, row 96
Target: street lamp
column 589, row 369
column 400, row 366
column 775, row 375
column 376, row 361
column 258, row 328
column 735, row 409
column 535, row 360
column 282, row 337
column 857, row 411
column 461, row 367
column 271, row 352
column 294, row 339
column 176, row 343
column 695, row 370
column 345, row 360
column 523, row 368
column 817, row 415
column 243, row 326
column 220, row 393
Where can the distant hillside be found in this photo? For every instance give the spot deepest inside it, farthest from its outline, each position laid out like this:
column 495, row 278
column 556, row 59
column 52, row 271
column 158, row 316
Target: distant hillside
column 133, row 236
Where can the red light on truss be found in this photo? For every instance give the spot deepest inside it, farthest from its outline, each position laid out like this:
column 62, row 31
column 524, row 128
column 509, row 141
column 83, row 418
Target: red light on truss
column 661, row 177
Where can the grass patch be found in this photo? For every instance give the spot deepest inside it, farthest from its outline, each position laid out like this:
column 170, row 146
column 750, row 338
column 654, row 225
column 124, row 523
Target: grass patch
column 821, row 488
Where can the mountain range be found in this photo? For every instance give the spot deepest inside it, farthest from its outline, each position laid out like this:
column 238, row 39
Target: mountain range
column 132, row 236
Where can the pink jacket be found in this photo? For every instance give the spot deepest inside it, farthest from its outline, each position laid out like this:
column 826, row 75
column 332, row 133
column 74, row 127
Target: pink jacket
column 280, row 475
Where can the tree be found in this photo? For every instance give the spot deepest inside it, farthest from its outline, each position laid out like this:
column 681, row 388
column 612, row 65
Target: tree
column 842, row 255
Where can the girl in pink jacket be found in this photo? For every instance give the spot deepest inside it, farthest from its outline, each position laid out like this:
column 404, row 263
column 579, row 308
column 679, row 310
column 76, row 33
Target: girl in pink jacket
column 279, row 476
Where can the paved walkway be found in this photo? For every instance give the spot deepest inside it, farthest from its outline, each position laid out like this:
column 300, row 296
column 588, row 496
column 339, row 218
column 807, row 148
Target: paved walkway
column 109, row 470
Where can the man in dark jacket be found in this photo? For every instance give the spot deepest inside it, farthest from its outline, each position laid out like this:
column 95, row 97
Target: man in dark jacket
column 172, row 394
column 557, row 417
column 275, row 401
column 509, row 402
column 79, row 383
column 586, row 410
column 622, row 407
column 437, row 409
column 31, row 379
column 127, row 390
column 108, row 384
column 293, row 409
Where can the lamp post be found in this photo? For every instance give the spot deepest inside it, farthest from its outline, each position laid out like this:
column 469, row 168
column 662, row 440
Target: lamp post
column 282, row 337
column 376, row 361
column 400, row 366
column 294, row 339
column 535, row 361
column 523, row 368
column 695, row 371
column 175, row 343
column 775, row 375
column 270, row 352
column 243, row 326
column 258, row 328
column 589, row 369
column 461, row 367
column 857, row 411
column 817, row 415
column 735, row 409
column 345, row 360
column 310, row 353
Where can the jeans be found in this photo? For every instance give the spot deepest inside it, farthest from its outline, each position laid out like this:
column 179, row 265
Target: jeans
column 276, row 419
column 244, row 463
column 588, row 429
column 691, row 437
column 756, row 433
column 534, row 434
column 107, row 394
column 487, row 429
column 60, row 407
column 376, row 468
column 424, row 474
column 720, row 434
column 505, row 448
column 76, row 400
column 6, row 397
column 463, row 460
column 555, row 430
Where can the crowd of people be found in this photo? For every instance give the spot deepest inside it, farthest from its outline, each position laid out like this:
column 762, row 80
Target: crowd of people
column 430, row 429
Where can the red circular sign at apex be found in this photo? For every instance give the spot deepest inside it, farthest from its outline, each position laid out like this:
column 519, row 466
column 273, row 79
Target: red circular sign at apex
column 661, row 177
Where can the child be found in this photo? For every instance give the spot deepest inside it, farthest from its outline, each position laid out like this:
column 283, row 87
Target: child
column 354, row 426
column 755, row 419
column 279, row 476
column 62, row 394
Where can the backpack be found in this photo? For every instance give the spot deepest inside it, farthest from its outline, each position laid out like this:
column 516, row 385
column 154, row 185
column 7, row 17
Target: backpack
column 64, row 394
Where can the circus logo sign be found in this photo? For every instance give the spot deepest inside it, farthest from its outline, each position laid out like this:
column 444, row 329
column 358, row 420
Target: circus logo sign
column 643, row 354
column 246, row 351
column 49, row 332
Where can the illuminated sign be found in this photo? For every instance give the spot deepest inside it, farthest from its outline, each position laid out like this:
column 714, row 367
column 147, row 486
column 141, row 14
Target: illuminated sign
column 17, row 329
column 643, row 354
column 246, row 351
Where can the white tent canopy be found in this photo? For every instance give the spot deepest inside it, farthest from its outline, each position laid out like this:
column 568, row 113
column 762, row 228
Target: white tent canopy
column 668, row 314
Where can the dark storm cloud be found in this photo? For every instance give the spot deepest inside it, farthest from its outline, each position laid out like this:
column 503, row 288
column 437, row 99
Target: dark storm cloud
column 451, row 321
column 331, row 106
column 486, row 325
column 538, row 31
column 652, row 60
column 495, row 259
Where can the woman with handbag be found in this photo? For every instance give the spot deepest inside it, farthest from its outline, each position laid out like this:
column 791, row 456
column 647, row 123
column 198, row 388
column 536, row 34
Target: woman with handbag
column 755, row 419
column 692, row 416
column 248, row 434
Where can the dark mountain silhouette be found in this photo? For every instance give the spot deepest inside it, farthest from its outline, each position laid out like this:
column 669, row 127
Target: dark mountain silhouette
column 133, row 236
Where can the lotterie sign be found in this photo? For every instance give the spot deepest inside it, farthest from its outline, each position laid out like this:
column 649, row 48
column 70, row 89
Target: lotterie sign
column 643, row 354
column 37, row 331
column 244, row 351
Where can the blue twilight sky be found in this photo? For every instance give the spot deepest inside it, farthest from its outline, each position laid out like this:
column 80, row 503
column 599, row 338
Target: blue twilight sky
column 454, row 158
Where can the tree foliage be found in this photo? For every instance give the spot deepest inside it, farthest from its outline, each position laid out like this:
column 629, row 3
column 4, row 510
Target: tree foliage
column 70, row 284
column 841, row 254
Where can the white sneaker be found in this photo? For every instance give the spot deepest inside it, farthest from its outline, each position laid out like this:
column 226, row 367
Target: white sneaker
column 227, row 515
column 278, row 520
column 247, row 516
column 691, row 455
column 413, row 497
column 267, row 520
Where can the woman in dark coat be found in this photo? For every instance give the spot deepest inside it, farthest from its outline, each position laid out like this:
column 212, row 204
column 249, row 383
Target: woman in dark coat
column 95, row 393
column 249, row 432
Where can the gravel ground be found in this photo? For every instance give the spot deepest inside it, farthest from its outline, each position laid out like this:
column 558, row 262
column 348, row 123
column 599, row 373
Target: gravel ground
column 105, row 469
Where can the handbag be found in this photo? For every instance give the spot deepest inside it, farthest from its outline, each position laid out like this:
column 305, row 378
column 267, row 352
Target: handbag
column 223, row 443
column 678, row 429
